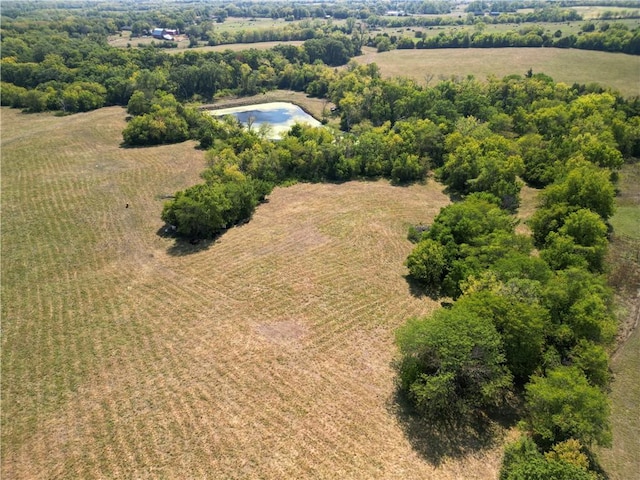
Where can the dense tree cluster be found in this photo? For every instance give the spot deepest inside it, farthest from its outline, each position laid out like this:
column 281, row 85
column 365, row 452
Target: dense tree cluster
column 553, row 319
column 57, row 59
column 552, row 311
column 48, row 64
column 101, row 75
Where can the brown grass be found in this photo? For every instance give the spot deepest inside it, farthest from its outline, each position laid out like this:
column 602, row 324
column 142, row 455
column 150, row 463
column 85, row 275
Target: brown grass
column 266, row 354
column 528, row 204
column 615, row 70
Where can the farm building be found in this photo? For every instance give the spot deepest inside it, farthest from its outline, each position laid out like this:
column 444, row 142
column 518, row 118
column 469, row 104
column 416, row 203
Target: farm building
column 163, row 33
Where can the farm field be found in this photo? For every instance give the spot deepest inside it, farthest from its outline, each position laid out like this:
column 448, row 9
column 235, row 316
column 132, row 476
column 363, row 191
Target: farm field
column 619, row 71
column 266, row 354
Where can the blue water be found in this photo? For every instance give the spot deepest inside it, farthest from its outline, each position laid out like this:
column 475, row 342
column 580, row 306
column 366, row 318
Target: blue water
column 274, row 117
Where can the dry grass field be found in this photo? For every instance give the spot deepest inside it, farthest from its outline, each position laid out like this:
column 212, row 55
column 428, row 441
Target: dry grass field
column 616, row 70
column 266, row 354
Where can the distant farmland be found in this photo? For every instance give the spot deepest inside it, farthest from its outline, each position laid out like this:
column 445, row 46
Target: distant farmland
column 617, row 70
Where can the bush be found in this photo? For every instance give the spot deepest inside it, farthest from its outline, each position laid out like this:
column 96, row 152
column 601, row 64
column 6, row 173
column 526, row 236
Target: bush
column 427, row 263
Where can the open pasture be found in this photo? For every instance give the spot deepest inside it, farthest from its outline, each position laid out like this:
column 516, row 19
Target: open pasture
column 616, row 70
column 266, row 354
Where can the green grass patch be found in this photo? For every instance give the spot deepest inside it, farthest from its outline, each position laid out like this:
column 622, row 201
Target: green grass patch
column 626, row 221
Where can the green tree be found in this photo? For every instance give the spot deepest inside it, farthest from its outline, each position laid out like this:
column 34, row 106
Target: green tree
column 522, row 324
column 490, row 164
column 162, row 125
column 581, row 241
column 452, row 364
column 205, row 210
column 539, row 160
column 585, row 186
column 427, row 263
column 580, row 304
column 471, row 221
column 138, row 104
column 593, row 360
column 83, row 96
column 408, row 167
column 563, row 405
column 523, row 461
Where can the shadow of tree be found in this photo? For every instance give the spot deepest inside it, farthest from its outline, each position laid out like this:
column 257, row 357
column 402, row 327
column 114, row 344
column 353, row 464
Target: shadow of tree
column 448, row 438
column 183, row 246
column 419, row 290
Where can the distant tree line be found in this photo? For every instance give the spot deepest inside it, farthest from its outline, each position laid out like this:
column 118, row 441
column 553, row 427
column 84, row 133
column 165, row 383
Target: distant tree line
column 610, row 37
column 70, row 74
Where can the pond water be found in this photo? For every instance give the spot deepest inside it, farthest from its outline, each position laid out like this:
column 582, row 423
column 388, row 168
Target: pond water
column 281, row 116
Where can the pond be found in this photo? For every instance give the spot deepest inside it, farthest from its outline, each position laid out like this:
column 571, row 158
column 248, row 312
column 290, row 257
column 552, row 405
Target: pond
column 281, row 116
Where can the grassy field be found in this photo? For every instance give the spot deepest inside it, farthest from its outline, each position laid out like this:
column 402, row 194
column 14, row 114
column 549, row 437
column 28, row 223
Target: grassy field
column 592, row 12
column 620, row 71
column 622, row 460
column 267, row 354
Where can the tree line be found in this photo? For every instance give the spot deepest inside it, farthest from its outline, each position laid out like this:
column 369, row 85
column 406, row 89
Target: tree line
column 57, row 65
column 610, row 37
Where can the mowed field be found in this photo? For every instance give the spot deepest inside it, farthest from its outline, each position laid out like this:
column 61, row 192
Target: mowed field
column 616, row 70
column 267, row 354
